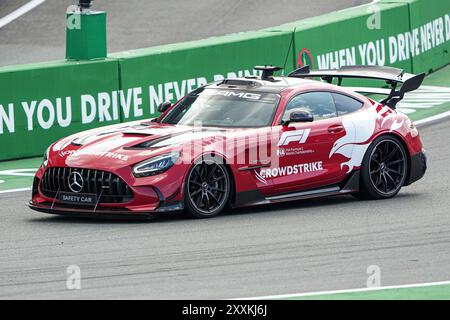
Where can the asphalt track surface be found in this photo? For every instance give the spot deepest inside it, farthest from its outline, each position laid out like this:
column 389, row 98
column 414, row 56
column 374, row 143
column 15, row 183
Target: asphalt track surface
column 39, row 35
column 303, row 246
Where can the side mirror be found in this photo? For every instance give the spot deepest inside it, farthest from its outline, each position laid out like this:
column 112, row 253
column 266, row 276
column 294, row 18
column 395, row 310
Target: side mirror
column 164, row 106
column 300, row 116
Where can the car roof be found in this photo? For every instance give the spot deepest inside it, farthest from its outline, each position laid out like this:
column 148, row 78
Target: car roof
column 276, row 85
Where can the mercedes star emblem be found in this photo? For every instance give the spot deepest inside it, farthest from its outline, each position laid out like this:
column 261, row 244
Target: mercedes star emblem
column 76, row 182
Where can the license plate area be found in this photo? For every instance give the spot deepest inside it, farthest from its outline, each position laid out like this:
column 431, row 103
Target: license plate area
column 81, row 199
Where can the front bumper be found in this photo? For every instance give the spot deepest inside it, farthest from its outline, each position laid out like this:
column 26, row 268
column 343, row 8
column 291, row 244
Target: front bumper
column 147, row 201
column 99, row 213
column 418, row 167
column 102, row 212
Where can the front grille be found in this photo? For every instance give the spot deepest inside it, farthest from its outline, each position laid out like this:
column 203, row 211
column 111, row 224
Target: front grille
column 109, row 187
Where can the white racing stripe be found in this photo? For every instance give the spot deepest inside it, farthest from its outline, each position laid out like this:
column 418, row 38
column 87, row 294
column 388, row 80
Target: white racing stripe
column 426, row 97
column 416, row 106
column 20, row 12
column 407, row 111
column 308, row 294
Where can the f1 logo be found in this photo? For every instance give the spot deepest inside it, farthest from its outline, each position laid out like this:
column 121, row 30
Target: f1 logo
column 299, row 136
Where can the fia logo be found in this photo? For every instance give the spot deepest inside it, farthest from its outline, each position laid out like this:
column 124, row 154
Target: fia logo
column 299, row 136
column 281, row 152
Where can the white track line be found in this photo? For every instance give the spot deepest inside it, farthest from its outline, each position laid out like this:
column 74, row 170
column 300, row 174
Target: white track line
column 432, row 118
column 306, row 294
column 19, row 172
column 359, row 6
column 20, row 12
column 15, row 190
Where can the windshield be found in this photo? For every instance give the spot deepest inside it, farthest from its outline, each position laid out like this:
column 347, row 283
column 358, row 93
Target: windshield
column 224, row 108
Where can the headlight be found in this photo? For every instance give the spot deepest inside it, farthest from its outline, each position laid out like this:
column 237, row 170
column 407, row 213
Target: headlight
column 156, row 165
column 45, row 158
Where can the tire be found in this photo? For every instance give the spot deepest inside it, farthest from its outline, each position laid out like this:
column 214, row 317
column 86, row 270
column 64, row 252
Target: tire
column 384, row 169
column 207, row 189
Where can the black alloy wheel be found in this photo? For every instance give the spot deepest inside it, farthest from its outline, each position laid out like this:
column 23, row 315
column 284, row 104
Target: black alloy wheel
column 207, row 189
column 387, row 167
column 384, row 169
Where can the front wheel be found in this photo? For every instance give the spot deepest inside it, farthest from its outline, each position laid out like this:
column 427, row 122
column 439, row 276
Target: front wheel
column 207, row 189
column 384, row 169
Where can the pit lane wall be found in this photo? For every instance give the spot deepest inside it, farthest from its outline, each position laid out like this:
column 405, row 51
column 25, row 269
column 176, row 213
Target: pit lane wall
column 410, row 34
column 43, row 102
column 167, row 73
column 40, row 103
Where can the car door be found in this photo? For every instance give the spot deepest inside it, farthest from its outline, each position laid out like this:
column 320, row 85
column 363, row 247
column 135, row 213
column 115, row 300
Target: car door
column 302, row 159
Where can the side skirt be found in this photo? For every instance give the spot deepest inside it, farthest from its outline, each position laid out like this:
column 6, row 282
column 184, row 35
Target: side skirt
column 254, row 197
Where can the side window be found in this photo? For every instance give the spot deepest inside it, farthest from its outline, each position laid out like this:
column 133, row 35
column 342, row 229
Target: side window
column 319, row 104
column 345, row 104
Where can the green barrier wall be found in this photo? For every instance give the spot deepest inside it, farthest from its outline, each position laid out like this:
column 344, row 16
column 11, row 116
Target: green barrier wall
column 430, row 25
column 359, row 35
column 354, row 36
column 35, row 100
column 168, row 72
column 410, row 34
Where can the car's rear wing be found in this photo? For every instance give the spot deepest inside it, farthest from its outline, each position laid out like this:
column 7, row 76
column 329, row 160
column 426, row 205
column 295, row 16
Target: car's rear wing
column 392, row 76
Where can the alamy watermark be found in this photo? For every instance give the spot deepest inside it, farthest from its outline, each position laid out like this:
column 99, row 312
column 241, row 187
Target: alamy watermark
column 73, row 281
column 374, row 279
column 373, row 22
column 73, row 17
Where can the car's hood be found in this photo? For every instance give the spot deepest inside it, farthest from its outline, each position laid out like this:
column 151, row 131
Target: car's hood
column 125, row 144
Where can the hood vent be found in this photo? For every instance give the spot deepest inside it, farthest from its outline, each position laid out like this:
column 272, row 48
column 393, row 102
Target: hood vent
column 137, row 133
column 150, row 143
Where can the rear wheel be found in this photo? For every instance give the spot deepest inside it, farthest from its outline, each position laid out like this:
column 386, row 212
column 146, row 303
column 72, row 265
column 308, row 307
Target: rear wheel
column 384, row 168
column 207, row 189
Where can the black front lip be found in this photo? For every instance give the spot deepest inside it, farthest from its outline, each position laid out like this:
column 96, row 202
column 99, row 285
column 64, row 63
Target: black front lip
column 100, row 213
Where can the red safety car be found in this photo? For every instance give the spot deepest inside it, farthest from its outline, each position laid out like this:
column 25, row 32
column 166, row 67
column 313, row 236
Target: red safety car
column 241, row 142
